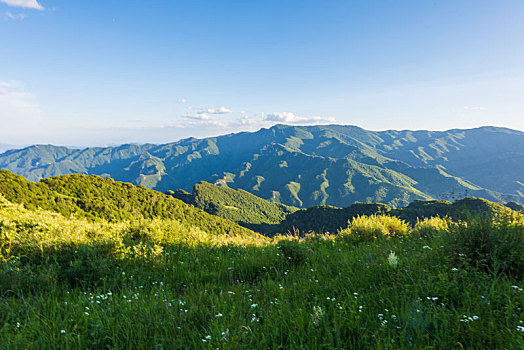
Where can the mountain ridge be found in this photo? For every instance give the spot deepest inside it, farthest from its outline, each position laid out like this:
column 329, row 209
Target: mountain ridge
column 270, row 218
column 305, row 166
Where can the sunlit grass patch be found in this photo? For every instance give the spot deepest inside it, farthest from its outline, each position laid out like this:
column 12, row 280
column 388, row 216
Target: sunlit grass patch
column 368, row 228
column 72, row 283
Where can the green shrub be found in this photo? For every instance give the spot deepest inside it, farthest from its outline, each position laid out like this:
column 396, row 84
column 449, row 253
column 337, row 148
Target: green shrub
column 490, row 244
column 86, row 266
column 429, row 227
column 368, row 228
column 293, row 251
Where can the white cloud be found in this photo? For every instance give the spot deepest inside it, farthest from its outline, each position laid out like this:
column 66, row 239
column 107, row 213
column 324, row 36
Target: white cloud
column 182, row 100
column 32, row 4
column 291, row 118
column 246, row 121
column 209, row 115
column 197, row 121
column 201, row 116
column 10, row 15
column 220, row 110
column 203, row 119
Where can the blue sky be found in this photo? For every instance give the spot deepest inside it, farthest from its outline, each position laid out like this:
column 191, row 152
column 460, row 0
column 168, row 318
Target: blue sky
column 108, row 72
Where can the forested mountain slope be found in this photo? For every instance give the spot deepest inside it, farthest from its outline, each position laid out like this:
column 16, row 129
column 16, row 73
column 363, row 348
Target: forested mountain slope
column 93, row 197
column 270, row 218
column 304, row 166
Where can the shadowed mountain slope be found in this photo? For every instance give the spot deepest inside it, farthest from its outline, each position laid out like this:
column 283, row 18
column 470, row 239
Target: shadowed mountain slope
column 270, row 218
column 305, row 166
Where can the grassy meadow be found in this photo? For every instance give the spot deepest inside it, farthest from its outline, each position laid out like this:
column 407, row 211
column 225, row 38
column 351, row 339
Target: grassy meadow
column 73, row 283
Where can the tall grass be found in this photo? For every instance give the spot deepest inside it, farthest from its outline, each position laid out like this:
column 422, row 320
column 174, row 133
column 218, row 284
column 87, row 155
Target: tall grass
column 495, row 245
column 69, row 283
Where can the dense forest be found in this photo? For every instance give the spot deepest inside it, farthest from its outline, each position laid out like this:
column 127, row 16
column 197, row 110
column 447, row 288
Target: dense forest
column 95, row 197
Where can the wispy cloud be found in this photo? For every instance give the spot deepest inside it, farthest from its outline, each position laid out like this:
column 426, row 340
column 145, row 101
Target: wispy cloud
column 208, row 117
column 291, row 118
column 32, row 4
column 15, row 16
column 200, row 116
column 222, row 119
column 474, row 108
column 252, row 123
column 219, row 110
column 182, row 100
column 203, row 121
column 203, row 118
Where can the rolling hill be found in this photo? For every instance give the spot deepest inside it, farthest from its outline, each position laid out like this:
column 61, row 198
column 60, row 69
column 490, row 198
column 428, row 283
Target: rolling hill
column 270, row 218
column 97, row 198
column 305, row 166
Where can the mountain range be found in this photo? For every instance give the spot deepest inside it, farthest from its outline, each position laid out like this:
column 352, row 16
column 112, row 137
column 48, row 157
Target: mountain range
column 269, row 218
column 305, row 166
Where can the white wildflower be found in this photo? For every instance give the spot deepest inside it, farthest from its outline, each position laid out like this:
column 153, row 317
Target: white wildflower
column 392, row 259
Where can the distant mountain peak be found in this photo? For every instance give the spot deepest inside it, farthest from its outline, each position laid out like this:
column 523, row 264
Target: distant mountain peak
column 308, row 165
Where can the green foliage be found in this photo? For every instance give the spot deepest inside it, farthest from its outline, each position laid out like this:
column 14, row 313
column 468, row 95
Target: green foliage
column 271, row 218
column 236, row 205
column 461, row 208
column 294, row 252
column 515, row 206
column 95, row 198
column 368, row 228
column 491, row 243
column 328, row 219
column 307, row 165
column 464, row 207
column 430, row 227
column 70, row 282
column 420, row 209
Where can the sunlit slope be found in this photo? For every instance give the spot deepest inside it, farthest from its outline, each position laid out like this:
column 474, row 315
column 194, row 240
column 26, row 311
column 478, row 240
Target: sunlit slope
column 94, row 197
column 270, row 218
column 305, row 166
column 236, row 205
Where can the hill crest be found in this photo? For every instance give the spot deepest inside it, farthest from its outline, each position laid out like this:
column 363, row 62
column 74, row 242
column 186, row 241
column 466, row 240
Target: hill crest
column 306, row 166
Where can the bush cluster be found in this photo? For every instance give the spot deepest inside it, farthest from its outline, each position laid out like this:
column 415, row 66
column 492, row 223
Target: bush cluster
column 492, row 244
column 368, row 228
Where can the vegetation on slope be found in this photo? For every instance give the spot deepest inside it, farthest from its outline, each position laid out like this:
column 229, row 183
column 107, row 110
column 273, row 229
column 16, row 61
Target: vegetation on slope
column 77, row 283
column 94, row 197
column 515, row 206
column 236, row 205
column 306, row 166
column 270, row 218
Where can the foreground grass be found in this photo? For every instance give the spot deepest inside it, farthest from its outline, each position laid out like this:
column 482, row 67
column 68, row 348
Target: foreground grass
column 68, row 283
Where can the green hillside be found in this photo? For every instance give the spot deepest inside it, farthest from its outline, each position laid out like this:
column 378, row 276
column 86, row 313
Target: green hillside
column 82, row 283
column 305, row 166
column 271, row 218
column 515, row 206
column 328, row 218
column 93, row 197
column 235, row 205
